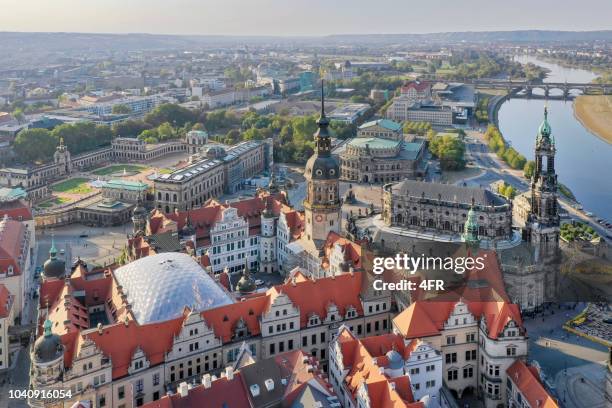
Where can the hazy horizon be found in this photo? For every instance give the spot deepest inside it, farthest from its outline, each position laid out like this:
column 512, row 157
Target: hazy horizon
column 300, row 18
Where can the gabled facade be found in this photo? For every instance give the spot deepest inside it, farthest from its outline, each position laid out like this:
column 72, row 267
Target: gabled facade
column 372, row 373
column 122, row 363
column 478, row 342
column 16, row 238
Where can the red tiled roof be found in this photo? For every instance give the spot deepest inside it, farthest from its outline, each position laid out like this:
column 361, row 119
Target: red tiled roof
column 223, row 319
column 11, row 239
column 425, row 318
column 6, row 301
column 204, row 218
column 352, row 250
column 362, row 368
column 419, row 86
column 18, row 210
column 120, row 341
column 314, row 296
column 527, row 380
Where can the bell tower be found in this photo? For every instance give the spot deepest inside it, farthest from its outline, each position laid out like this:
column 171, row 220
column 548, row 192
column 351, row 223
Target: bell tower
column 322, row 203
column 543, row 221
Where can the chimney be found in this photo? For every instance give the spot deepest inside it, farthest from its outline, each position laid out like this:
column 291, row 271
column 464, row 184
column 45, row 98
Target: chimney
column 206, row 381
column 269, row 383
column 183, row 389
column 229, row 373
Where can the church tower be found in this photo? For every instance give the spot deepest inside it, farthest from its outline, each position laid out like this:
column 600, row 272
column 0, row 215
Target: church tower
column 139, row 217
column 322, row 203
column 543, row 221
column 61, row 157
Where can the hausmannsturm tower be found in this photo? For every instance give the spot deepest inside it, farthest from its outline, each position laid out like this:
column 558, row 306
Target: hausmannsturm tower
column 322, row 204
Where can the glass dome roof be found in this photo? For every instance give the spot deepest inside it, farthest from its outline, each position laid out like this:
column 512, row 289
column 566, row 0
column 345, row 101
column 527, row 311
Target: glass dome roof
column 160, row 286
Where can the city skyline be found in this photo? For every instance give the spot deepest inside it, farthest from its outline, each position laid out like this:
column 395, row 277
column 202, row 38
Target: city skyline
column 300, row 18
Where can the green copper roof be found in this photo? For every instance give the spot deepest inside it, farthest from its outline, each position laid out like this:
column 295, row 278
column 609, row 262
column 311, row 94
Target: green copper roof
column 11, row 194
column 374, row 143
column 470, row 231
column 384, row 123
column 544, row 130
column 126, row 185
column 47, row 326
column 52, row 250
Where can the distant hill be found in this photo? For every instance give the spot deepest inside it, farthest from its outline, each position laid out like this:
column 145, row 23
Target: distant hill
column 522, row 36
column 11, row 42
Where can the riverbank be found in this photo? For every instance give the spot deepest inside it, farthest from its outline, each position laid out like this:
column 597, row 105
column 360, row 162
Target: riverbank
column 594, row 112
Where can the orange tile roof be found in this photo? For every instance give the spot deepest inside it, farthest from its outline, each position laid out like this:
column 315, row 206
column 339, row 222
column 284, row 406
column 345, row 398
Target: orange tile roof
column 16, row 210
column 204, row 218
column 11, row 239
column 6, row 301
column 527, row 380
column 362, row 368
column 425, row 318
column 223, row 319
column 314, row 296
column 120, row 340
column 352, row 250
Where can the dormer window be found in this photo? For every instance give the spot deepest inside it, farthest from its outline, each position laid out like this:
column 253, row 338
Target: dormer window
column 314, row 320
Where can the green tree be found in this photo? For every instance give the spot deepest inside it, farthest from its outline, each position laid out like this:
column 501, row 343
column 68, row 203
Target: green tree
column 34, row 145
column 528, row 169
column 171, row 113
column 121, row 109
column 449, row 150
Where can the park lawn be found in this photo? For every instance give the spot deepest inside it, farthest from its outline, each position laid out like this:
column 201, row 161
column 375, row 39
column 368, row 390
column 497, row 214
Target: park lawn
column 76, row 185
column 53, row 201
column 117, row 168
column 165, row 171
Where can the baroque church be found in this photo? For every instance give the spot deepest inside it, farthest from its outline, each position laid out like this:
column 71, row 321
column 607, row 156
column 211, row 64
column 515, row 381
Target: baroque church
column 531, row 269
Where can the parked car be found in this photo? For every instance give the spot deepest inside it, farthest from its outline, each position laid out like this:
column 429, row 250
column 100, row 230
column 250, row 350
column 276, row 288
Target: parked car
column 259, row 282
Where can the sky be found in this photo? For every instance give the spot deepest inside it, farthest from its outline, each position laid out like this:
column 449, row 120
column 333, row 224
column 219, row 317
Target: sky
column 301, row 17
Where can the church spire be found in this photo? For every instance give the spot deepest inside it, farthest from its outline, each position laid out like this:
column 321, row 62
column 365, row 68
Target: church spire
column 322, row 136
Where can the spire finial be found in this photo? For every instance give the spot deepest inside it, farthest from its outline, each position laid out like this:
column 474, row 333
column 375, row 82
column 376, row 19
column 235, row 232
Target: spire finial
column 322, row 98
column 47, row 327
column 52, row 250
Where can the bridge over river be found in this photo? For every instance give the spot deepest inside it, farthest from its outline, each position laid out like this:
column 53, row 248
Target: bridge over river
column 515, row 88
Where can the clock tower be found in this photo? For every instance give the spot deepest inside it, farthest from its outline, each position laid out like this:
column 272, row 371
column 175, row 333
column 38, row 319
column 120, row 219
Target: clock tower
column 322, row 173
